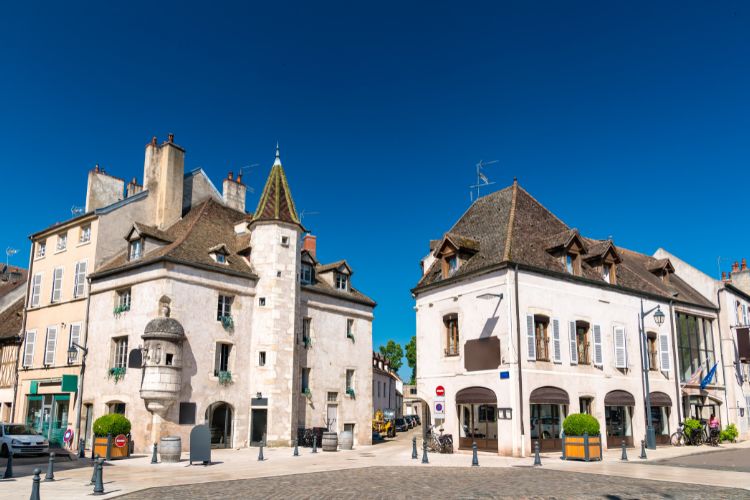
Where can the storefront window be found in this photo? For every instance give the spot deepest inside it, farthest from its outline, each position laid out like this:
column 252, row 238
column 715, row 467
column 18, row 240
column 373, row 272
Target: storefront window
column 660, row 420
column 619, row 421
column 478, row 423
column 546, row 420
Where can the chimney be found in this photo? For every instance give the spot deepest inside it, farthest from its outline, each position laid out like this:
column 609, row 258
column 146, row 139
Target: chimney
column 310, row 244
column 132, row 188
column 233, row 192
column 735, row 267
column 163, row 172
column 744, row 264
column 102, row 189
column 723, row 276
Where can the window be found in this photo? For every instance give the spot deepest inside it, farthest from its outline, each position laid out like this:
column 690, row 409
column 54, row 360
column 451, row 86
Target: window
column 135, row 250
column 51, row 344
column 28, row 349
column 606, row 270
column 452, row 264
column 349, row 380
column 569, row 263
column 120, row 352
column 653, row 352
column 85, row 235
column 332, row 397
column 451, row 330
column 306, row 274
column 304, row 379
column 285, row 241
column 350, row 328
column 116, row 407
column 541, row 324
column 585, row 405
column 306, row 322
column 695, row 345
column 36, row 290
column 224, row 309
column 221, row 361
column 62, row 242
column 123, row 299
column 75, row 338
column 79, row 279
column 169, row 359
column 262, row 358
column 582, row 342
column 221, row 258
column 41, row 249
column 57, row 284
column 262, row 301
column 342, row 281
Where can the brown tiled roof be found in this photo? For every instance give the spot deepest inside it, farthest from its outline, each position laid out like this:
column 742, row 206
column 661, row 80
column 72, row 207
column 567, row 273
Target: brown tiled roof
column 597, row 249
column 331, row 266
column 459, row 241
column 10, row 285
column 11, row 319
column 323, row 287
column 152, row 232
column 276, row 201
column 513, row 227
column 205, row 226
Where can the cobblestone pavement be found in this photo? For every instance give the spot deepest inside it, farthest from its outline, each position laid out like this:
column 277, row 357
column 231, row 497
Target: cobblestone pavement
column 416, row 482
column 736, row 460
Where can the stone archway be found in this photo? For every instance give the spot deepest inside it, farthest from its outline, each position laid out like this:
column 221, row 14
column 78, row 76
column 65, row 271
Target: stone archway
column 219, row 417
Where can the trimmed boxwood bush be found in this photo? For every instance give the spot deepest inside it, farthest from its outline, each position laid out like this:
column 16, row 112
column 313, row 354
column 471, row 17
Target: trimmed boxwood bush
column 113, row 424
column 576, row 424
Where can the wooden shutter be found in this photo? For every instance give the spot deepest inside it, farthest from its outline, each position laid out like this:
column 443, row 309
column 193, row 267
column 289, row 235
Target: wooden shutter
column 28, row 350
column 57, row 284
column 49, row 349
column 621, row 355
column 75, row 337
column 36, row 288
column 530, row 339
column 598, row 354
column 80, row 277
column 556, row 347
column 573, row 343
column 664, row 351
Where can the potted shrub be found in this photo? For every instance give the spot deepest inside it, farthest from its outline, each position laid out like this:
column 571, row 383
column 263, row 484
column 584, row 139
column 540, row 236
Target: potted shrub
column 581, row 438
column 106, row 430
column 729, row 433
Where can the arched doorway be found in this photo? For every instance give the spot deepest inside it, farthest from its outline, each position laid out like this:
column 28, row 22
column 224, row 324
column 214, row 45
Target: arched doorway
column 219, row 418
column 618, row 415
column 477, row 414
column 661, row 407
column 548, row 409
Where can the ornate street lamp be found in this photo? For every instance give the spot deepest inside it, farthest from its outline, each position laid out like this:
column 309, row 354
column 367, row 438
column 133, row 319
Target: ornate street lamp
column 659, row 320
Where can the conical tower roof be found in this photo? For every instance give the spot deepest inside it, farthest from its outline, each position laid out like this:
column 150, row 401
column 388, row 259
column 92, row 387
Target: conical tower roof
column 276, row 203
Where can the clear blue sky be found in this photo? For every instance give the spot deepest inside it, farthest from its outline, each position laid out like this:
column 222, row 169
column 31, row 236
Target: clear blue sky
column 630, row 120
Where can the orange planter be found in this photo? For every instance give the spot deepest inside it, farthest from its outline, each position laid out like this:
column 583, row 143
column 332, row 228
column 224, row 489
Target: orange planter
column 105, row 447
column 584, row 448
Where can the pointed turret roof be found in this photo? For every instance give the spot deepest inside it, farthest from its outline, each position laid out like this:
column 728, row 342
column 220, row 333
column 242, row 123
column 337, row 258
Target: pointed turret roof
column 276, row 202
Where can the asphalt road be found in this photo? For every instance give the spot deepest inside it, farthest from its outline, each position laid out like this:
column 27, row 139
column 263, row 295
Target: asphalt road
column 730, row 459
column 25, row 465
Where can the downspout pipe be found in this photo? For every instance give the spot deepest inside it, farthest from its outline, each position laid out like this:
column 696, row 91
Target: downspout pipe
column 79, row 396
column 22, row 334
column 678, row 396
column 520, row 373
column 721, row 351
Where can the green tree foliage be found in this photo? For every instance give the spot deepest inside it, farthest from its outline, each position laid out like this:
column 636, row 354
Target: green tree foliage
column 393, row 353
column 113, row 424
column 576, row 424
column 411, row 358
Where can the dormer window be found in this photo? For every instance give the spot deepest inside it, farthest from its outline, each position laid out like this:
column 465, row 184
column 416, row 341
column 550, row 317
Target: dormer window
column 219, row 253
column 135, row 250
column 306, row 274
column 342, row 281
column 573, row 263
column 607, row 272
column 569, row 263
column 221, row 258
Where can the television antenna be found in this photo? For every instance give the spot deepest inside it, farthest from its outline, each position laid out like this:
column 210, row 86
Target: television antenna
column 305, row 212
column 482, row 180
column 74, row 210
column 9, row 252
column 248, row 167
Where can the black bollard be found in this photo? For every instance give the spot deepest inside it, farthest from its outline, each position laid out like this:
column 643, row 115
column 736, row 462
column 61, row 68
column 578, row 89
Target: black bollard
column 563, row 445
column 260, row 452
column 474, row 457
column 93, row 475
column 81, row 448
column 296, row 450
column 414, row 447
column 425, row 460
column 9, row 466
column 537, row 457
column 50, row 476
column 99, row 483
column 35, row 485
column 624, row 452
column 643, row 450
column 315, row 444
column 154, row 459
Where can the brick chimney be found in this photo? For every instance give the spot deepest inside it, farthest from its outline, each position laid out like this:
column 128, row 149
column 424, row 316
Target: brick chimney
column 234, row 192
column 744, row 264
column 735, row 266
column 723, row 276
column 102, row 189
column 163, row 171
column 740, row 276
column 133, row 188
column 310, row 244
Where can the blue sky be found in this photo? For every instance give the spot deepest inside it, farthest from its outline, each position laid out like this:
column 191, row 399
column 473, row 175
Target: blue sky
column 627, row 119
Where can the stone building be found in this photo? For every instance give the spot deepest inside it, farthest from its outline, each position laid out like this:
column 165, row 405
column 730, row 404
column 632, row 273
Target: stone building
column 12, row 291
column 387, row 387
column 524, row 320
column 231, row 321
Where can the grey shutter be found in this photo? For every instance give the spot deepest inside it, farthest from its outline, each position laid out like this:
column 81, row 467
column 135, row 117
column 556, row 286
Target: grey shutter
column 28, row 352
column 573, row 343
column 49, row 348
column 530, row 339
column 621, row 358
column 598, row 354
column 556, row 347
column 664, row 351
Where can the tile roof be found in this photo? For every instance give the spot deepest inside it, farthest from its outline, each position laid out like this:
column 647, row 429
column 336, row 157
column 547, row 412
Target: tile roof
column 333, row 265
column 511, row 226
column 323, row 287
column 276, row 201
column 152, row 232
column 11, row 319
column 10, row 285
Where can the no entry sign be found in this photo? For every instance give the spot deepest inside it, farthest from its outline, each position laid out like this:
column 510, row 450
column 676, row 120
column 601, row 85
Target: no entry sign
column 68, row 436
column 440, row 390
column 121, row 440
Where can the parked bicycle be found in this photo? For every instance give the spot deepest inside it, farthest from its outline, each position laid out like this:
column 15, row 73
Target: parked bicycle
column 694, row 437
column 439, row 442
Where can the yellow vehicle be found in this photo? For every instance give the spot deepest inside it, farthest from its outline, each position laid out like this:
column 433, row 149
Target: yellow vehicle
column 382, row 425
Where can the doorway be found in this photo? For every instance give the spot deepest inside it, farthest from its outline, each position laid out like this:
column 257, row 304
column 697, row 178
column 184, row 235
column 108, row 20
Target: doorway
column 259, row 423
column 219, row 416
column 331, row 413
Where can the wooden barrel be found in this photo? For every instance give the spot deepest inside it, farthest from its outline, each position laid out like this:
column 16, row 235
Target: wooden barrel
column 170, row 448
column 346, row 441
column 330, row 441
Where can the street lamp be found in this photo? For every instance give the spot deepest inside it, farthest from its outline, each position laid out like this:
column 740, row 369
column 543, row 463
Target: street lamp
column 73, row 352
column 659, row 320
column 72, row 355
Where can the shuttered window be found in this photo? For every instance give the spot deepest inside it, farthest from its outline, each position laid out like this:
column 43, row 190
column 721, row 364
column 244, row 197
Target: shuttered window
column 80, row 278
column 36, row 289
column 573, row 342
column 598, row 352
column 28, row 349
column 49, row 348
column 664, row 351
column 530, row 339
column 621, row 354
column 75, row 338
column 556, row 347
column 57, row 284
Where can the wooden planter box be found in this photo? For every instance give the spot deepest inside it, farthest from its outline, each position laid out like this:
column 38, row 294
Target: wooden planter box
column 584, row 447
column 105, row 447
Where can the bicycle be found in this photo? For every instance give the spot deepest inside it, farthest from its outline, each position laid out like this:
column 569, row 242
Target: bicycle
column 686, row 437
column 439, row 443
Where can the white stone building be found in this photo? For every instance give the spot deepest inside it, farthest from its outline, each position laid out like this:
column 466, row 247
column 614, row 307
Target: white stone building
column 387, row 387
column 522, row 320
column 227, row 318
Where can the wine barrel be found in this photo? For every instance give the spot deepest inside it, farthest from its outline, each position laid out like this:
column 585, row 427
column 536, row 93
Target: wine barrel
column 330, row 441
column 346, row 440
column 170, row 448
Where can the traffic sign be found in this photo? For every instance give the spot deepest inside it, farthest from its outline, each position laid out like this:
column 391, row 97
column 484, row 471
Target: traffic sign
column 121, row 440
column 440, row 390
column 68, row 436
column 439, row 408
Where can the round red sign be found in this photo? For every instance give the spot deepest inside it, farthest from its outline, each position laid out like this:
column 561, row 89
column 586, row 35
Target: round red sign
column 121, row 440
column 68, row 436
column 440, row 390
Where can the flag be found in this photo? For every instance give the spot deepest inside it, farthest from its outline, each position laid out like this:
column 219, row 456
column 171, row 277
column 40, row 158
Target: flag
column 695, row 378
column 708, row 378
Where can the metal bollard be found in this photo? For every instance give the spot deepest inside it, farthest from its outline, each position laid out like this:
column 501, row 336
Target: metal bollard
column 563, row 445
column 643, row 450
column 315, row 443
column 474, row 457
column 425, row 460
column 624, row 452
column 414, row 448
column 260, row 452
column 50, row 476
column 99, row 483
column 35, row 485
column 81, row 448
column 537, row 457
column 9, row 466
column 93, row 475
column 154, row 458
column 296, row 450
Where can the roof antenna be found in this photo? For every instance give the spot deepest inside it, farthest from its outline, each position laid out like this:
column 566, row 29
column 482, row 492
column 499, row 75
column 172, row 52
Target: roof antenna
column 9, row 252
column 74, row 210
column 305, row 212
column 482, row 179
column 248, row 167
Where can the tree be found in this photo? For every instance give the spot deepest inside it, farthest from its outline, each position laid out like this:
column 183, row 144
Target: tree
column 411, row 358
column 393, row 353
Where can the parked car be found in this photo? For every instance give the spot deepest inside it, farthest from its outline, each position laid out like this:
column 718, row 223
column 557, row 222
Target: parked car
column 418, row 420
column 20, row 439
column 410, row 421
column 401, row 425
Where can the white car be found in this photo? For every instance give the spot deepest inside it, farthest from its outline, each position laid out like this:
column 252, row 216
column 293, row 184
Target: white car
column 20, row 439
